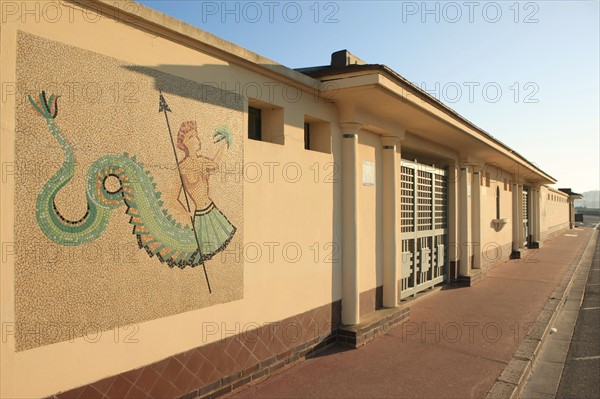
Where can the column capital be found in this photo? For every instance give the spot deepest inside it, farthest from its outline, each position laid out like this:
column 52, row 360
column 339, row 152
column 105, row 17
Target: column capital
column 389, row 142
column 468, row 161
column 350, row 128
column 469, row 164
column 397, row 135
column 518, row 179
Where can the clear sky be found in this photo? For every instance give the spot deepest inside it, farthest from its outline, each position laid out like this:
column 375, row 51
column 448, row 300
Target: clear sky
column 526, row 72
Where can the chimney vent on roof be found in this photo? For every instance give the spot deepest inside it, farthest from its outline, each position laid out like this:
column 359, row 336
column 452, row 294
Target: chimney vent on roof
column 344, row 58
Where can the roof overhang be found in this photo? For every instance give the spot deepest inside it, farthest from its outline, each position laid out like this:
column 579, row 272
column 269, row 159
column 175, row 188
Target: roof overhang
column 385, row 102
column 572, row 195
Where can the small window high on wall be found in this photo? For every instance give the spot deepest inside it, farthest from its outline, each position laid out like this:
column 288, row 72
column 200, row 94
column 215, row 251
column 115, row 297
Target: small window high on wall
column 265, row 122
column 254, row 123
column 306, row 136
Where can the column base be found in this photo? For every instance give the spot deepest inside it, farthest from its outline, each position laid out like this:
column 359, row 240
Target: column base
column 373, row 325
column 534, row 245
column 515, row 255
column 453, row 272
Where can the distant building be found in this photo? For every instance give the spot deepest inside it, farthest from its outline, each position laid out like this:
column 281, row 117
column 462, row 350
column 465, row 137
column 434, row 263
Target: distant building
column 591, row 199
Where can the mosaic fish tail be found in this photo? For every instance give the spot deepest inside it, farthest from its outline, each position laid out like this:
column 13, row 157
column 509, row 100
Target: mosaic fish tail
column 155, row 229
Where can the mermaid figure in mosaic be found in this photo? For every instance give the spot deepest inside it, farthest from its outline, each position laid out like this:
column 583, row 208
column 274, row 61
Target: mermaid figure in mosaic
column 213, row 229
column 155, row 229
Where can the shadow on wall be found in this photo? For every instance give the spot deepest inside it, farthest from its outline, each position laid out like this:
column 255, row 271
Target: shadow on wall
column 213, row 90
column 227, row 86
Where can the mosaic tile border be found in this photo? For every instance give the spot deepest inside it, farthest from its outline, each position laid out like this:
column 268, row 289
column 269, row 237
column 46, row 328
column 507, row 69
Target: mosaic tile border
column 222, row 366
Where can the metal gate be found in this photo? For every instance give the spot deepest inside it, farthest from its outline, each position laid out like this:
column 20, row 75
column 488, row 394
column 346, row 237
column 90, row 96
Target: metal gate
column 525, row 216
column 424, row 215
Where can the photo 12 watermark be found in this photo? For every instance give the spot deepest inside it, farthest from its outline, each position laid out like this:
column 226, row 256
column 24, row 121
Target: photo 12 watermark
column 489, row 92
column 453, row 12
column 252, row 12
column 89, row 332
column 129, row 92
column 289, row 332
column 469, row 332
column 77, row 92
column 49, row 256
column 53, row 12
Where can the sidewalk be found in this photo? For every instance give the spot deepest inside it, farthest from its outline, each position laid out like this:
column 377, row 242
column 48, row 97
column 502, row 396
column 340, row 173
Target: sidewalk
column 455, row 344
column 568, row 364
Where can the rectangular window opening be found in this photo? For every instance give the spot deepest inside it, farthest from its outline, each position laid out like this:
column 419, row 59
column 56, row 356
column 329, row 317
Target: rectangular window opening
column 317, row 135
column 265, row 122
column 306, row 136
column 254, row 123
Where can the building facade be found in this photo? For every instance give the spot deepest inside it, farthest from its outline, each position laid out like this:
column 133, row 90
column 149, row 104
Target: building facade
column 181, row 216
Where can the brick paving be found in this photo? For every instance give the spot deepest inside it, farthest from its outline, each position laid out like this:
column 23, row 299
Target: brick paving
column 455, row 344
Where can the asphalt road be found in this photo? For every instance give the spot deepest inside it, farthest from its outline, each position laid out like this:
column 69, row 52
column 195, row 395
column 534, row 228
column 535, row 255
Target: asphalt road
column 581, row 374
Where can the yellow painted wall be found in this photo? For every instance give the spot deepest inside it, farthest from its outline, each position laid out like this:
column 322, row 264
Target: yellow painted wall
column 293, row 286
column 370, row 213
column 495, row 245
column 555, row 212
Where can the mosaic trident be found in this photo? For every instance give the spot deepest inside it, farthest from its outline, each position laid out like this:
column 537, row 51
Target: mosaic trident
column 164, row 107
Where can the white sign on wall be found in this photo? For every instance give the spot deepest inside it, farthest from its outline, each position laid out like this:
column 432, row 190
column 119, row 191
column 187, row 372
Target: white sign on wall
column 368, row 173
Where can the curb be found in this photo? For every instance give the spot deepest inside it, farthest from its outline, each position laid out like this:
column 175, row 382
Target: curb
column 510, row 383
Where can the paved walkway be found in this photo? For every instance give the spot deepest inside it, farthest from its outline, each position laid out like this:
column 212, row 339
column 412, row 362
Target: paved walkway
column 455, row 344
column 581, row 375
column 582, row 380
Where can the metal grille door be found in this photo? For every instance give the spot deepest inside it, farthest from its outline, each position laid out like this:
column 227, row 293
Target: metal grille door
column 424, row 227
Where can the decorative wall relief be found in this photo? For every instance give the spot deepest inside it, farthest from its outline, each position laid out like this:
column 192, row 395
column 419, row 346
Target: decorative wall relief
column 103, row 165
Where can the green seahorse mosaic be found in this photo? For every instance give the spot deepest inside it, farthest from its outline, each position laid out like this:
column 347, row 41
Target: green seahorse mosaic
column 155, row 229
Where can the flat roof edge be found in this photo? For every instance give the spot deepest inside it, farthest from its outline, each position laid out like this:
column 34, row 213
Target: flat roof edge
column 332, row 72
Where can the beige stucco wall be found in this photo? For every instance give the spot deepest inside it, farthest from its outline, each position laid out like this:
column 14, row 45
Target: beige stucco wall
column 555, row 212
column 293, row 287
column 495, row 245
column 370, row 213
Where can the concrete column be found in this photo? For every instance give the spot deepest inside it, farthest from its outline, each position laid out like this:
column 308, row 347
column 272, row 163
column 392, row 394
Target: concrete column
column 464, row 208
column 453, row 238
column 350, row 208
column 476, row 217
column 571, row 202
column 520, row 201
column 532, row 210
column 535, row 215
column 517, row 221
column 538, row 214
column 391, row 231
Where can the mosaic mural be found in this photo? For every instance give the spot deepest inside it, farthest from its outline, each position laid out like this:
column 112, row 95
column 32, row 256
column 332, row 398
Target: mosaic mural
column 100, row 165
